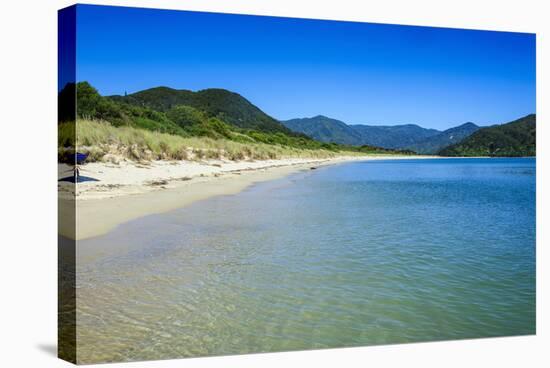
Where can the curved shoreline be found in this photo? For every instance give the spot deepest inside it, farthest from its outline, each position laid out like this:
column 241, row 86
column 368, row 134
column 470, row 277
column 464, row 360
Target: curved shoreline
column 103, row 205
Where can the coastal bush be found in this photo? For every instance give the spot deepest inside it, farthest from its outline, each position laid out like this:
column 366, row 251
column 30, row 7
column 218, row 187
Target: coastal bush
column 185, row 116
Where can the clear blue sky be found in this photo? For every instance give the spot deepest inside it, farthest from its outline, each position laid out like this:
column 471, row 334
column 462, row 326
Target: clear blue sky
column 357, row 72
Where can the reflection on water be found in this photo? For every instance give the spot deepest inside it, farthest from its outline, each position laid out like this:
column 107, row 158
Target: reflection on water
column 356, row 254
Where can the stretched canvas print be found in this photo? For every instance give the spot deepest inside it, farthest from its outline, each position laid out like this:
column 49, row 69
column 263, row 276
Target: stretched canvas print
column 234, row 184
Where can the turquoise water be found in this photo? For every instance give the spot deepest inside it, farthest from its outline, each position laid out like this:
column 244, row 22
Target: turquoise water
column 356, row 254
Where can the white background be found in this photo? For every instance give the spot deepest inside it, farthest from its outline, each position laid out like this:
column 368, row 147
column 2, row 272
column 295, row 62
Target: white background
column 28, row 223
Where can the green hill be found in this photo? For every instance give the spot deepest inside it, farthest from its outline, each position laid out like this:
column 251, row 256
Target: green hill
column 436, row 143
column 227, row 106
column 514, row 139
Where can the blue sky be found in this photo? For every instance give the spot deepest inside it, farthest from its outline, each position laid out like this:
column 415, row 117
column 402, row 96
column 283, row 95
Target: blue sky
column 360, row 73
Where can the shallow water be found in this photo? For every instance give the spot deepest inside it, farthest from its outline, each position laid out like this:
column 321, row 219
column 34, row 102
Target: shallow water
column 354, row 254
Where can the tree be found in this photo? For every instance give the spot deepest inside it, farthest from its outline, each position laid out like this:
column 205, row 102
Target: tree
column 185, row 116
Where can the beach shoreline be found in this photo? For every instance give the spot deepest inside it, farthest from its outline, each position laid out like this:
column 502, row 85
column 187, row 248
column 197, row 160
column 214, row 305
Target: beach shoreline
column 128, row 190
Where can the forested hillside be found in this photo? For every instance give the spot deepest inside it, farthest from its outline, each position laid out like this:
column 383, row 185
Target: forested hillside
column 514, row 139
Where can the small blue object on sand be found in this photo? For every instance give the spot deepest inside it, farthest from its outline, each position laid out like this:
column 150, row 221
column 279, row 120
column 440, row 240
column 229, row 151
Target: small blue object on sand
column 80, row 158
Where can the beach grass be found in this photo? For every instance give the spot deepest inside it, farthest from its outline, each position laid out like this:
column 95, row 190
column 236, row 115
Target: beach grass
column 101, row 139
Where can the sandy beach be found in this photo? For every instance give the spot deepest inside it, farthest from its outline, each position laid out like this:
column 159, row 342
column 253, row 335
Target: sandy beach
column 128, row 190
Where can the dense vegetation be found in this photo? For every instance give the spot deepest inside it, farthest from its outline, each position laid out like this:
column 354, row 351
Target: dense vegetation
column 331, row 130
column 432, row 145
column 517, row 138
column 149, row 118
column 224, row 105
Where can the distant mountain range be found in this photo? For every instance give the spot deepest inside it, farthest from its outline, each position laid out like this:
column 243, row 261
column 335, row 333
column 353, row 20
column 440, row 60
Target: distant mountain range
column 408, row 136
column 326, row 130
column 517, row 138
